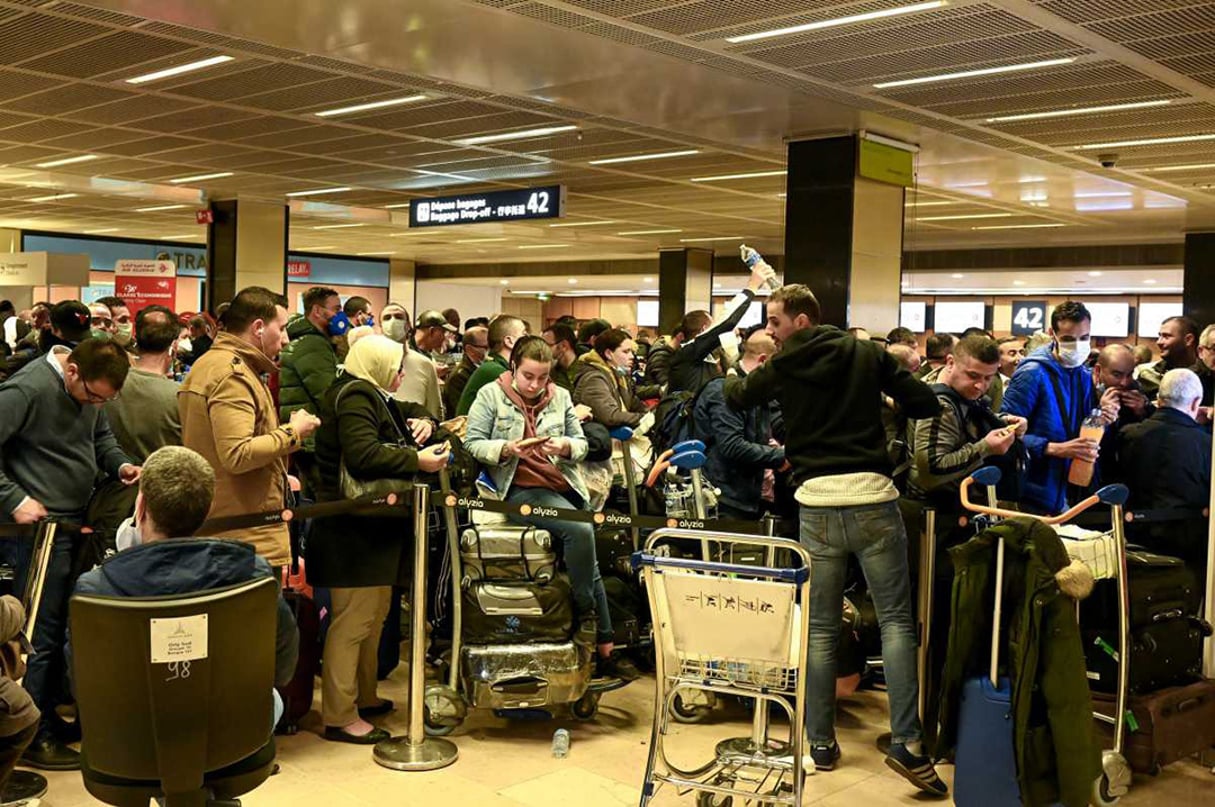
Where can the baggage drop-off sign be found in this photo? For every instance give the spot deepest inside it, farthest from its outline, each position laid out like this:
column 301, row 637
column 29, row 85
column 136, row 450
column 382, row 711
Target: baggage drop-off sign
column 144, row 283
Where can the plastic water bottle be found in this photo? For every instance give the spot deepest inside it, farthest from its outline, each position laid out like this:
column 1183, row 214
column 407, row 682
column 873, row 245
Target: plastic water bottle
column 750, row 257
column 561, row 744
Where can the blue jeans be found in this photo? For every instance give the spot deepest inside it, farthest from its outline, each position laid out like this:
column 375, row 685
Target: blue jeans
column 876, row 535
column 578, row 541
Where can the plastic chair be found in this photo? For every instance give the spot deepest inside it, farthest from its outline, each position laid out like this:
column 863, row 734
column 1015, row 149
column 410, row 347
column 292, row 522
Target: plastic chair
column 196, row 730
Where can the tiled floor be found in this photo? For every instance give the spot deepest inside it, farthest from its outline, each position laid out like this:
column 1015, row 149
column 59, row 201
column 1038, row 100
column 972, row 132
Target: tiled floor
column 509, row 764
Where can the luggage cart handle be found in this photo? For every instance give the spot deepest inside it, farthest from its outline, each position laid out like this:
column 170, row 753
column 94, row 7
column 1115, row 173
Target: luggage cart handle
column 1107, row 495
column 798, row 575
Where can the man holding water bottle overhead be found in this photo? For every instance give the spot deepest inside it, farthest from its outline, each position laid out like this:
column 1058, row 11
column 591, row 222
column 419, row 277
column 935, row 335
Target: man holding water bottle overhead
column 1054, row 391
column 830, row 388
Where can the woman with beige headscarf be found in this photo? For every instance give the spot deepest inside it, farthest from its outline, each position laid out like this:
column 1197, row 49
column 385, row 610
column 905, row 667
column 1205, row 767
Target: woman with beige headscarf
column 360, row 558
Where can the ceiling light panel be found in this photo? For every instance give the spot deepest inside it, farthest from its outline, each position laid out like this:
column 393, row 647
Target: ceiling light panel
column 189, row 67
column 636, row 158
column 1090, row 110
column 523, row 134
column 200, row 177
column 350, row 110
column 851, row 19
column 1147, row 141
column 730, row 177
column 83, row 158
column 986, row 71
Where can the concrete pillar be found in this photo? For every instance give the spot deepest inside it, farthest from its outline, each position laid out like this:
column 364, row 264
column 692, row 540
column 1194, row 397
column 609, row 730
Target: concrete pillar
column 402, row 279
column 246, row 246
column 685, row 283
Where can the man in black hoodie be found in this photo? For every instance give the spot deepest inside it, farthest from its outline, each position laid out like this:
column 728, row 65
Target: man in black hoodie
column 830, row 387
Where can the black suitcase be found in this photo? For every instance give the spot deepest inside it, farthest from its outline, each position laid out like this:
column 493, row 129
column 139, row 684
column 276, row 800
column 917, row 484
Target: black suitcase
column 614, row 550
column 1164, row 654
column 629, row 611
column 1161, row 588
column 519, row 612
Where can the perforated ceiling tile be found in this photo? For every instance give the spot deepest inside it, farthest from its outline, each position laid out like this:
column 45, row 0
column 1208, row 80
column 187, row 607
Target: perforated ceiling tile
column 1085, row 11
column 689, row 18
column 95, row 139
column 187, row 120
column 67, row 98
column 618, row 33
column 133, row 109
column 122, row 50
column 551, row 15
column 44, row 129
column 96, row 14
column 148, row 146
column 487, row 124
column 8, row 118
column 246, row 128
column 298, row 139
column 1162, row 23
column 31, row 35
column 254, row 80
column 331, row 93
column 14, row 84
column 1171, row 47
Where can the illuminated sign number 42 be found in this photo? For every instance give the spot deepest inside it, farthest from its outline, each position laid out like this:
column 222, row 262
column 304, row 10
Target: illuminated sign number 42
column 537, row 203
column 1029, row 318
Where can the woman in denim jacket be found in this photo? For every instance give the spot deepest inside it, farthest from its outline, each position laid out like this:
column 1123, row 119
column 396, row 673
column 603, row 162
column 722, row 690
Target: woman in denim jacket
column 504, row 425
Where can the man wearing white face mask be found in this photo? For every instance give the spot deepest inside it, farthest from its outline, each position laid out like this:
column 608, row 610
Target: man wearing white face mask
column 421, row 382
column 1053, row 390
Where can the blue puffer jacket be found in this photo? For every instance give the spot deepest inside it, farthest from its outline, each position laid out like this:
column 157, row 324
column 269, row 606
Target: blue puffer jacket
column 1055, row 400
column 737, row 450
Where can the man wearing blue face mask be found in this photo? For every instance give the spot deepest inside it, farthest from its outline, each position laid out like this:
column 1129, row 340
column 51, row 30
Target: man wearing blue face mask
column 1053, row 390
column 308, row 366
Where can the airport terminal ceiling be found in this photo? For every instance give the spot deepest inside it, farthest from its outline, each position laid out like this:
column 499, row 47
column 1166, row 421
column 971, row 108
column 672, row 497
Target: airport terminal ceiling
column 665, row 121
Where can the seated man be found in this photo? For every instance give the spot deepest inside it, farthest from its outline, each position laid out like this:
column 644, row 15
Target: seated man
column 1166, row 463
column 175, row 495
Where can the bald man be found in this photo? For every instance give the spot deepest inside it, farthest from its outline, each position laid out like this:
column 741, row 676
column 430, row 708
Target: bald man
column 739, row 447
column 1114, row 375
column 907, row 355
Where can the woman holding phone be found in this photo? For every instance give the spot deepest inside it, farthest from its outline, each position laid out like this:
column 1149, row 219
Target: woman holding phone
column 524, row 429
column 360, row 558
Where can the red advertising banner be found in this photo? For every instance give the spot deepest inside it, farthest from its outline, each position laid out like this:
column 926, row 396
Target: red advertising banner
column 144, row 283
column 299, row 268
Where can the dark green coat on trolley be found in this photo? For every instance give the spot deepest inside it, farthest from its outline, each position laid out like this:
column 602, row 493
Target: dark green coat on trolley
column 1041, row 652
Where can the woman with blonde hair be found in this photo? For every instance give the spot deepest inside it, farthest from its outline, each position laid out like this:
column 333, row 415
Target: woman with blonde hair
column 370, row 436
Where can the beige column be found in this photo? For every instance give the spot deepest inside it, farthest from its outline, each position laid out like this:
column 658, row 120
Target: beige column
column 877, row 255
column 21, row 296
column 402, row 276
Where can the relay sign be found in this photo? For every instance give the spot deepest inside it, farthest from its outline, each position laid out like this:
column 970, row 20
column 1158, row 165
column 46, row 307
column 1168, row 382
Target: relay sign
column 488, row 207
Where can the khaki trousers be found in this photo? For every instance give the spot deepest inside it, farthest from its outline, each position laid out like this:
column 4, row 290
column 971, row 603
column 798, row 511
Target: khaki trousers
column 348, row 671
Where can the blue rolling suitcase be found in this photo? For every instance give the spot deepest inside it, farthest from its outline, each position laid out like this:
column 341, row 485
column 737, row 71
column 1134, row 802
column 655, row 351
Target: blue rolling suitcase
column 985, row 772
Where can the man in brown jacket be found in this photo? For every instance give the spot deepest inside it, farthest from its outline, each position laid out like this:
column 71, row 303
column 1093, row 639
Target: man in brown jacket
column 228, row 416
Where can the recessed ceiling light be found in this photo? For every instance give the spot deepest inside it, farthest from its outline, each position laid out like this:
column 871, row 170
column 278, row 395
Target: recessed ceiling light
column 1088, row 110
column 1019, row 227
column 1100, row 194
column 389, row 252
column 1018, row 282
column 181, row 235
column 202, row 64
column 969, row 216
column 648, row 232
column 522, row 134
column 714, row 238
column 338, row 226
column 636, row 158
column 54, row 197
column 1031, row 179
column 544, row 246
column 1150, row 282
column 158, row 208
column 318, row 191
column 957, row 276
column 83, row 158
column 582, row 224
column 647, row 280
column 1190, row 167
column 1095, row 274
column 478, row 240
column 930, row 204
column 102, row 230
column 849, row 20
column 347, row 110
column 1147, row 141
column 752, row 175
column 717, row 284
column 987, row 71
column 573, row 281
column 201, row 177
column 394, row 207
column 326, row 246
column 504, row 282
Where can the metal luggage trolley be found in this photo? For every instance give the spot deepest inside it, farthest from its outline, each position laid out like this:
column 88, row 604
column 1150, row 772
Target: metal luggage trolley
column 1115, row 781
column 736, row 630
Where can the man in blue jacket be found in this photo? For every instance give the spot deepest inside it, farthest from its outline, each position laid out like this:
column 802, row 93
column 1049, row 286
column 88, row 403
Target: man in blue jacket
column 175, row 493
column 738, row 443
column 1053, row 390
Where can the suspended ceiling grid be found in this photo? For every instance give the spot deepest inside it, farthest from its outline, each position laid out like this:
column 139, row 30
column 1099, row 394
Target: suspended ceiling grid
column 62, row 67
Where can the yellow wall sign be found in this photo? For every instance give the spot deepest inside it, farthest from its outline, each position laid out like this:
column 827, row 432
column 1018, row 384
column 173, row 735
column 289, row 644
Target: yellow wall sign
column 883, row 163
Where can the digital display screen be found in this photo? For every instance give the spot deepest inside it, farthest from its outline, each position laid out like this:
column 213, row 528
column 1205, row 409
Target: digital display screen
column 488, row 207
column 647, row 313
column 1110, row 319
column 956, row 317
column 1152, row 314
column 914, row 316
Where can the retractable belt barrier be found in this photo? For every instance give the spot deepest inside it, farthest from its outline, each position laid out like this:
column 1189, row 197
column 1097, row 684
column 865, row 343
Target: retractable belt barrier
column 380, row 504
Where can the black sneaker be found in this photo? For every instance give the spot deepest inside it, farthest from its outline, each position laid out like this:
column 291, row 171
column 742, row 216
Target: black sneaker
column 619, row 667
column 916, row 769
column 824, row 756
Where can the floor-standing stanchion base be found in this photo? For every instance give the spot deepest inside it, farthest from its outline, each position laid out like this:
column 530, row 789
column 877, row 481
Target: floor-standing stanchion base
column 23, row 785
column 429, row 755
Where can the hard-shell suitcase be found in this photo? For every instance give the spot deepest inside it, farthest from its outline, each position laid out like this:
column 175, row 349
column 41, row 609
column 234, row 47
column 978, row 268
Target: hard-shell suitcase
column 518, row 613
column 1168, row 725
column 629, row 610
column 986, row 768
column 297, row 694
column 1163, row 654
column 504, row 552
column 525, row 676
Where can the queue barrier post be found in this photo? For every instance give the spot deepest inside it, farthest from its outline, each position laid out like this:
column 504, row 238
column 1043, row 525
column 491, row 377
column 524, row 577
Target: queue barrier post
column 416, row 751
column 457, row 602
column 928, row 571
